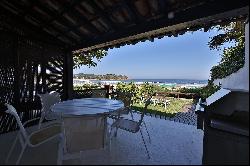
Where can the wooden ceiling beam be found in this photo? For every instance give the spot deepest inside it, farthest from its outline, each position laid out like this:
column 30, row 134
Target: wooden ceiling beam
column 208, row 9
column 30, row 12
column 99, row 13
column 63, row 21
column 102, row 14
column 162, row 6
column 33, row 32
column 133, row 13
column 58, row 15
column 82, row 21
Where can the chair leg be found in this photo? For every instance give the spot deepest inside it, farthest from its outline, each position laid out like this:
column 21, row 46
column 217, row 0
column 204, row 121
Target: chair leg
column 21, row 154
column 109, row 140
column 40, row 124
column 131, row 113
column 110, row 132
column 144, row 143
column 147, row 132
column 116, row 132
column 11, row 149
column 107, row 135
column 60, row 153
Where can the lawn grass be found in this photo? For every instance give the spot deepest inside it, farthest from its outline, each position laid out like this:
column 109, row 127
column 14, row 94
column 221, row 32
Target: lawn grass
column 175, row 106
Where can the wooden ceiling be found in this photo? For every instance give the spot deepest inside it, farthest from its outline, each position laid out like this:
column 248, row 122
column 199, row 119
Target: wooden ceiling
column 88, row 23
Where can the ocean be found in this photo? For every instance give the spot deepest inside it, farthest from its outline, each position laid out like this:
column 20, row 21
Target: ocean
column 166, row 82
column 169, row 81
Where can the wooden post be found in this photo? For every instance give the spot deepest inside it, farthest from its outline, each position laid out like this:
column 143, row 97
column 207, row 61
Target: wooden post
column 107, row 87
column 43, row 76
column 17, row 70
column 43, row 88
column 68, row 75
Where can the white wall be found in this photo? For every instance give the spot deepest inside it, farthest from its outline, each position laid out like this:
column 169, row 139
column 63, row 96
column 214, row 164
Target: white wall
column 240, row 79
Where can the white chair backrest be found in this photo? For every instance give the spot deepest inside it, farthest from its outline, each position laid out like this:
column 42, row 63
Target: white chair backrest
column 48, row 100
column 11, row 110
column 56, row 95
column 82, row 133
column 125, row 97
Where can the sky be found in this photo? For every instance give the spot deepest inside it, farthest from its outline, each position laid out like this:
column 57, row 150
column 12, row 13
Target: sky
column 184, row 57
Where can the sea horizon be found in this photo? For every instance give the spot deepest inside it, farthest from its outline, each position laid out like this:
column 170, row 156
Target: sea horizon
column 169, row 81
column 154, row 81
column 184, row 79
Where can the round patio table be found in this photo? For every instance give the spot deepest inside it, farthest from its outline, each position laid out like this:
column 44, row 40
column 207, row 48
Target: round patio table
column 87, row 106
column 83, row 134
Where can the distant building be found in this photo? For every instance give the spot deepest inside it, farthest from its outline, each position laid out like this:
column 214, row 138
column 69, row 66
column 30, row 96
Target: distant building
column 78, row 82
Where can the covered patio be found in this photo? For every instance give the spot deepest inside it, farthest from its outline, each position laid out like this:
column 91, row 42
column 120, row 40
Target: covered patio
column 172, row 143
column 37, row 41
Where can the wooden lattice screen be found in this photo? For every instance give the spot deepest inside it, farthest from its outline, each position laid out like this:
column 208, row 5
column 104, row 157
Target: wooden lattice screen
column 27, row 67
column 7, row 72
column 41, row 70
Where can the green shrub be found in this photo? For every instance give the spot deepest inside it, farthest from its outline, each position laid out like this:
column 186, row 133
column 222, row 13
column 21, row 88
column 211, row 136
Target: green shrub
column 208, row 90
column 85, row 86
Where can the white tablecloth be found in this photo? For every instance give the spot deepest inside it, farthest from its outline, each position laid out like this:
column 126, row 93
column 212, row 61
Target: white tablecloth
column 87, row 106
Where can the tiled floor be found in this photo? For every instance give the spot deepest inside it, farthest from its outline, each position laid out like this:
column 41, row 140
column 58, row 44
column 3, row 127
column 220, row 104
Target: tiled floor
column 172, row 143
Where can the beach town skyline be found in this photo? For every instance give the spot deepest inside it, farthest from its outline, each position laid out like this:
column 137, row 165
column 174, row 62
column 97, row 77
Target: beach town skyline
column 131, row 79
column 174, row 83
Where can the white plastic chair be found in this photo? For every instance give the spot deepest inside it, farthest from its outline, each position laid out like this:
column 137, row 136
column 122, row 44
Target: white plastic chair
column 160, row 100
column 80, row 134
column 48, row 100
column 132, row 125
column 34, row 139
column 126, row 98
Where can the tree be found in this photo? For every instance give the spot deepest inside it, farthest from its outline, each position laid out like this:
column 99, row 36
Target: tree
column 87, row 58
column 208, row 90
column 233, row 57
